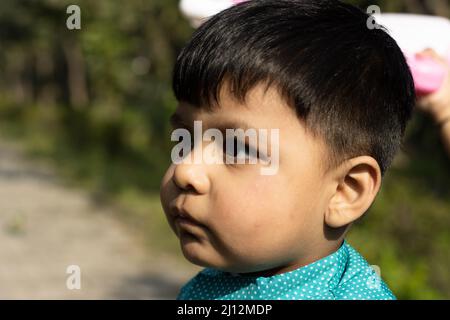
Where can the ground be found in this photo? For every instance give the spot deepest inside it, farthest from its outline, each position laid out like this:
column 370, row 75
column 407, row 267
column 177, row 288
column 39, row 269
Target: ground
column 45, row 226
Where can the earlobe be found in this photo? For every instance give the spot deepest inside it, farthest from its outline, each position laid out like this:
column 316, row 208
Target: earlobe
column 358, row 183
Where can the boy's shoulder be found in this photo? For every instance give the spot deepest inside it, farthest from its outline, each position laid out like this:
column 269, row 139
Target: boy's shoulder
column 360, row 280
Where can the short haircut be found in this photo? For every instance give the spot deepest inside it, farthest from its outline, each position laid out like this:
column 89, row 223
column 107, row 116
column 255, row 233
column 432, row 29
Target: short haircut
column 348, row 83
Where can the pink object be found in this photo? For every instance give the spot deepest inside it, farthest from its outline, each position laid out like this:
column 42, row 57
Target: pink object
column 428, row 74
column 415, row 33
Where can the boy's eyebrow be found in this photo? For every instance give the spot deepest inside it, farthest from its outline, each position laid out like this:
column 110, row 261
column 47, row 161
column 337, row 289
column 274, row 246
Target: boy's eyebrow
column 176, row 120
column 222, row 125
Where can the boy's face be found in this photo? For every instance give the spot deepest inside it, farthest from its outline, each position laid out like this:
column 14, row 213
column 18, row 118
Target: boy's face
column 244, row 221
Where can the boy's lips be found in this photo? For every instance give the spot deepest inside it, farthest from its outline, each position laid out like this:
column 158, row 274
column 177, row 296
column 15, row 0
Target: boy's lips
column 183, row 217
column 187, row 225
column 186, row 222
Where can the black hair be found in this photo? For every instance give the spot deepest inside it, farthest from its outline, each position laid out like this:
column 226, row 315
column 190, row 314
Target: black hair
column 349, row 83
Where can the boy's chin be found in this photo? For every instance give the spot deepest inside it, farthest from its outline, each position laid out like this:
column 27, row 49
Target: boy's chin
column 194, row 250
column 202, row 255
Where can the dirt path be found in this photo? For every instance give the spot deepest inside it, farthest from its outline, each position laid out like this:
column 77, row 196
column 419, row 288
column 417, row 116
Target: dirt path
column 45, row 227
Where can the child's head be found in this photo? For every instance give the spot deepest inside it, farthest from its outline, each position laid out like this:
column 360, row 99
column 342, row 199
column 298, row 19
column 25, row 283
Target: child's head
column 340, row 94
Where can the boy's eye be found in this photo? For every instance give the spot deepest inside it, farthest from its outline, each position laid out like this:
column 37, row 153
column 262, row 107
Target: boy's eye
column 239, row 150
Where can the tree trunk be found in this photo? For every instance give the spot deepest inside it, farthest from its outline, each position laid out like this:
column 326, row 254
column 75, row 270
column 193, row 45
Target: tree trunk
column 76, row 74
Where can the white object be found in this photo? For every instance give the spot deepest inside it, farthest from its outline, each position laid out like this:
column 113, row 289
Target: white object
column 197, row 11
column 414, row 33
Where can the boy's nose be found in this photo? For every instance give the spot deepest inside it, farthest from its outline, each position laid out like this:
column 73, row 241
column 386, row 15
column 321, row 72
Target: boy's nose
column 190, row 176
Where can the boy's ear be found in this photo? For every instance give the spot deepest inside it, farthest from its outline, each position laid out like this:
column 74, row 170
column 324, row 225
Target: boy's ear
column 358, row 182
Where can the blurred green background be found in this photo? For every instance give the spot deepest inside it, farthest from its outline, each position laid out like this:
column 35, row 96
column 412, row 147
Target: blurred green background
column 95, row 102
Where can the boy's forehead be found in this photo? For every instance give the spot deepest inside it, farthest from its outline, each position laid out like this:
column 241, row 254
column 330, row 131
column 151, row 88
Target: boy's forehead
column 261, row 106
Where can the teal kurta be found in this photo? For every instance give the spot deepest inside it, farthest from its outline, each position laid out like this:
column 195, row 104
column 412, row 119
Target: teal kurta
column 344, row 274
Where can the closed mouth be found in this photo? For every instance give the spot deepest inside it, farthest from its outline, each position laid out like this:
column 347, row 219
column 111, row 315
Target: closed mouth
column 181, row 216
column 187, row 237
column 184, row 220
column 188, row 228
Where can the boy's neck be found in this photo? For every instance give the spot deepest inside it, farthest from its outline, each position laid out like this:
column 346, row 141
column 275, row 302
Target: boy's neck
column 295, row 264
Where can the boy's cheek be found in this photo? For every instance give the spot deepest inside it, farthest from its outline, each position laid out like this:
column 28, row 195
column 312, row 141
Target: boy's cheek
column 164, row 194
column 244, row 211
column 168, row 175
column 167, row 193
column 167, row 185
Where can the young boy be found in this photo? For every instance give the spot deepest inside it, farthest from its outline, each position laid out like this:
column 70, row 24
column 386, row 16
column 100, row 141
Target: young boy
column 339, row 94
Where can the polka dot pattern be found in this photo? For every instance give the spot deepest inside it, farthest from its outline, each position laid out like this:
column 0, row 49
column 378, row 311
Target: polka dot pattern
column 343, row 275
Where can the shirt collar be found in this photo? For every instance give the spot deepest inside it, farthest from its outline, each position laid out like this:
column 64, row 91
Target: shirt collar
column 325, row 274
